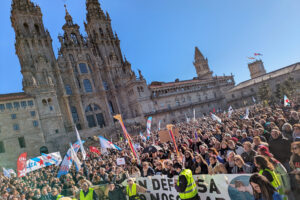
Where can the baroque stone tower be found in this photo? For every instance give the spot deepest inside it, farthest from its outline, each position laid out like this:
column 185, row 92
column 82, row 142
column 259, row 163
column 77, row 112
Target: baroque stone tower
column 256, row 68
column 41, row 77
column 201, row 65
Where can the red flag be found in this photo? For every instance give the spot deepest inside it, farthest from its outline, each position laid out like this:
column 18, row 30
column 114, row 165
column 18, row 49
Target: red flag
column 214, row 110
column 21, row 164
column 257, row 54
column 95, row 150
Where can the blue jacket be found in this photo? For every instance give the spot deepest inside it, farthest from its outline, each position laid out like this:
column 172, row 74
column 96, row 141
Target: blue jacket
column 276, row 196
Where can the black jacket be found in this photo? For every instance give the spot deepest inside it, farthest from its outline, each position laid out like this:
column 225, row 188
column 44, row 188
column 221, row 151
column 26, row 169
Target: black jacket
column 280, row 148
column 116, row 194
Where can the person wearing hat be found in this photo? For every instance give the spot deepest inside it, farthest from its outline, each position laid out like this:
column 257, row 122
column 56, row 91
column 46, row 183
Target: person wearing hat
column 185, row 185
column 133, row 189
column 87, row 193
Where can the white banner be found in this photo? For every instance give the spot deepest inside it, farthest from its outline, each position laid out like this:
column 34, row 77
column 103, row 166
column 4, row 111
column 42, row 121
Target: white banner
column 210, row 187
column 43, row 161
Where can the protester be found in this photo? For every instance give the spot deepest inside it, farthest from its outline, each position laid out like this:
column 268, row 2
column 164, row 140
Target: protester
column 230, row 147
column 263, row 189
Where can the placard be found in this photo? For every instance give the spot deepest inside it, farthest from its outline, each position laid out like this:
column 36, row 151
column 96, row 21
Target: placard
column 164, row 135
column 120, row 161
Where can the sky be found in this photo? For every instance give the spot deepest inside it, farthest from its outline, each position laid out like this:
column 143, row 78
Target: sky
column 159, row 36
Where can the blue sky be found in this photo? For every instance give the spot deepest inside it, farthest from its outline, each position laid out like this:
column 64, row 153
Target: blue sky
column 159, row 36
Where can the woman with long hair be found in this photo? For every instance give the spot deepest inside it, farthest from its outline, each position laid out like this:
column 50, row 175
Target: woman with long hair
column 279, row 169
column 200, row 165
column 262, row 188
column 267, row 169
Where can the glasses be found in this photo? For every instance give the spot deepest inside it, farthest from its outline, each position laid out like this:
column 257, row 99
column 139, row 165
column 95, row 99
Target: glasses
column 235, row 160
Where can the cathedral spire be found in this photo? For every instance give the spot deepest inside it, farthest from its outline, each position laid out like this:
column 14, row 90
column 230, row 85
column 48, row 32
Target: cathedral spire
column 201, row 65
column 94, row 10
column 25, row 6
column 68, row 17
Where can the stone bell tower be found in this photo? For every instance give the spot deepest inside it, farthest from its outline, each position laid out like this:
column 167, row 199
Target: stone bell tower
column 41, row 78
column 256, row 68
column 201, row 65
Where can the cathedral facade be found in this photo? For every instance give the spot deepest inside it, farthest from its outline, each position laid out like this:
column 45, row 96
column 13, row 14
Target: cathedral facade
column 87, row 84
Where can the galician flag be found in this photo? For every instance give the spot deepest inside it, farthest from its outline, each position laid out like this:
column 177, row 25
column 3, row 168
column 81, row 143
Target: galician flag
column 216, row 118
column 106, row 144
column 6, row 173
column 286, row 101
column 80, row 143
column 75, row 158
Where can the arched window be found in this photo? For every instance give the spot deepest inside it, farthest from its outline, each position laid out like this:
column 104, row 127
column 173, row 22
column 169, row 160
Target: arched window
column 101, row 31
column 68, row 89
column 87, row 85
column 74, row 114
column 83, row 68
column 111, row 107
column 94, row 116
column 26, row 27
column 37, row 29
column 74, row 38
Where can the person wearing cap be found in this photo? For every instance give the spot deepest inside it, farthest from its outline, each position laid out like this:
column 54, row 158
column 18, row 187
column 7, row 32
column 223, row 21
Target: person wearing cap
column 87, row 193
column 134, row 189
column 185, row 185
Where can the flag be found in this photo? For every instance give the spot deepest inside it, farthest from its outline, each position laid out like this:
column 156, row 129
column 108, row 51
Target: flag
column 170, row 127
column 119, row 118
column 142, row 137
column 159, row 125
column 67, row 161
column 106, row 144
column 216, row 118
column 253, row 99
column 214, row 110
column 230, row 111
column 149, row 127
column 75, row 158
column 95, row 150
column 80, row 143
column 21, row 164
column 247, row 114
column 251, row 58
column 194, row 111
column 6, row 173
column 286, row 101
column 196, row 135
column 187, row 119
column 257, row 54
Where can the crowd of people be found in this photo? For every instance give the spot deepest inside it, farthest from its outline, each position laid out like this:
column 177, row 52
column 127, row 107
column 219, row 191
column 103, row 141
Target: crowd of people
column 267, row 142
